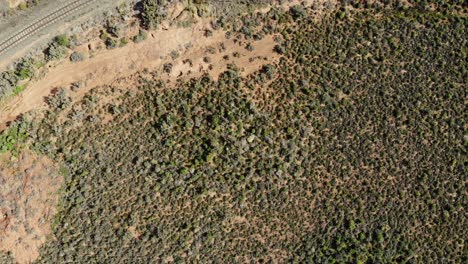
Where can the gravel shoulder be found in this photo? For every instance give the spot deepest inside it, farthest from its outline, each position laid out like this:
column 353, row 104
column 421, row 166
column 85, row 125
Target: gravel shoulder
column 91, row 13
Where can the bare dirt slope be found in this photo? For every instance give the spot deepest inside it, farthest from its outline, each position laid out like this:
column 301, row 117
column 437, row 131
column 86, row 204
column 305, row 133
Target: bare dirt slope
column 106, row 66
column 28, row 197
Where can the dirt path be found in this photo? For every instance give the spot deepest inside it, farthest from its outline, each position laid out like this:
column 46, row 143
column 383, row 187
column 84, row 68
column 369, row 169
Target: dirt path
column 110, row 65
column 106, row 66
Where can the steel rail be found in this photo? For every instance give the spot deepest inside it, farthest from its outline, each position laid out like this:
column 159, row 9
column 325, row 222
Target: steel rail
column 47, row 20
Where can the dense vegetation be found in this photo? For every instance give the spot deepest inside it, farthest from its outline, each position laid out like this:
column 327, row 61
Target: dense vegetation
column 350, row 149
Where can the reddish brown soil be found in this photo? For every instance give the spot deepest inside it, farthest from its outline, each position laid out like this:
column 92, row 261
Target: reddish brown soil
column 28, row 197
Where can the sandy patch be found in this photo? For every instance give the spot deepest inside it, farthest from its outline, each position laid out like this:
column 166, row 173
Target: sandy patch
column 28, row 197
column 15, row 3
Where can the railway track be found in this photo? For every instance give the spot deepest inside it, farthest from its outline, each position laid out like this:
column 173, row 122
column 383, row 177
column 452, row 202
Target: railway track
column 47, row 20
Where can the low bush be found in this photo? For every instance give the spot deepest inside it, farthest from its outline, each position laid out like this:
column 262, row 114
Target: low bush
column 56, row 52
column 123, row 42
column 77, row 56
column 8, row 81
column 115, row 30
column 167, row 68
column 62, row 40
column 12, row 139
column 59, row 100
column 153, row 12
column 18, row 89
column 142, row 35
column 25, row 69
column 111, row 43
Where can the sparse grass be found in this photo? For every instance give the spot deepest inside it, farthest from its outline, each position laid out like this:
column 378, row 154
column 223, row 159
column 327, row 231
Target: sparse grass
column 23, row 6
column 18, row 89
column 123, row 42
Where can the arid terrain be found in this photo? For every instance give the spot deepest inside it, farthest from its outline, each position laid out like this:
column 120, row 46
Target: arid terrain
column 313, row 131
column 28, row 187
column 105, row 67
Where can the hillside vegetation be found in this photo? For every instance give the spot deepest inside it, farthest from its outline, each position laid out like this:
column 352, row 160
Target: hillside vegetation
column 350, row 149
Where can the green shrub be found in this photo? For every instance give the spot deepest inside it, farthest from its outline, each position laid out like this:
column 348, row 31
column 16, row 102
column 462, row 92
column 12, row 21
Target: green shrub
column 23, row 6
column 8, row 81
column 111, row 43
column 25, row 69
column 167, row 67
column 62, row 40
column 56, row 52
column 208, row 33
column 174, row 54
column 115, row 30
column 77, row 56
column 153, row 12
column 123, row 42
column 297, row 11
column 269, row 70
column 12, row 139
column 279, row 49
column 18, row 89
column 59, row 100
column 142, row 35
column 104, row 36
